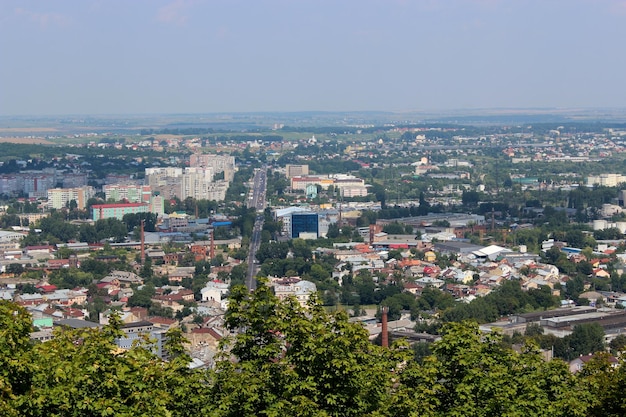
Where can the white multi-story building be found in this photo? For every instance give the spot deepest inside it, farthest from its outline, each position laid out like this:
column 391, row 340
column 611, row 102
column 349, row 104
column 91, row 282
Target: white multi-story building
column 355, row 185
column 60, row 197
column 217, row 191
column 293, row 170
column 219, row 163
column 157, row 176
column 353, row 191
column 129, row 192
column 197, row 181
column 607, row 180
column 300, row 289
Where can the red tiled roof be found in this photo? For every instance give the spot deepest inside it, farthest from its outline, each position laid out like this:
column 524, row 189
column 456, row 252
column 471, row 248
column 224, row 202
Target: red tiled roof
column 39, row 247
column 207, row 330
column 587, row 358
column 47, row 288
column 161, row 320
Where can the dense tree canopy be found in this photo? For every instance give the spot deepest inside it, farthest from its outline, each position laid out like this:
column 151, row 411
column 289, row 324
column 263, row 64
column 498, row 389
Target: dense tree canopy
column 284, row 359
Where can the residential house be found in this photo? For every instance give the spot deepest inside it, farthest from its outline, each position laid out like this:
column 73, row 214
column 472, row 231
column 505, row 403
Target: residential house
column 214, row 291
column 578, row 364
column 122, row 279
column 300, row 289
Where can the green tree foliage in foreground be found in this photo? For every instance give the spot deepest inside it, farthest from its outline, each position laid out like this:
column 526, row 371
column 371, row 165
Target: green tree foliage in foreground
column 288, row 360
column 83, row 373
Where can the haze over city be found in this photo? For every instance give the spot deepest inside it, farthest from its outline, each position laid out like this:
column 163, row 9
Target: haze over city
column 186, row 56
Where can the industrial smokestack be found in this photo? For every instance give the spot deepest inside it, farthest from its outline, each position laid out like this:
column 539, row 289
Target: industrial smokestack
column 143, row 243
column 385, row 335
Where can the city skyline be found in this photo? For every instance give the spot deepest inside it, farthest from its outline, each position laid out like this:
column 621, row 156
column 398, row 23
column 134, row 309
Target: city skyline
column 195, row 56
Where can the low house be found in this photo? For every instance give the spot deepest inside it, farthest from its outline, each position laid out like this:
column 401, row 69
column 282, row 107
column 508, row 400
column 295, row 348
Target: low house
column 40, row 251
column 122, row 279
column 53, row 264
column 163, row 322
column 137, row 332
column 413, row 288
column 301, row 290
column 174, row 300
column 29, row 299
column 214, row 291
column 180, row 273
column 579, row 363
column 203, row 337
column 428, row 281
column 593, row 297
column 601, row 273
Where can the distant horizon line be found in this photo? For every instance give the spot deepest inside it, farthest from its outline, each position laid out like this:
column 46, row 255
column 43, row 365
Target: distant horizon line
column 470, row 110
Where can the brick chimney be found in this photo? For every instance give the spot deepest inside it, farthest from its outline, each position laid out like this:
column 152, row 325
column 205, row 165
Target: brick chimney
column 143, row 243
column 384, row 335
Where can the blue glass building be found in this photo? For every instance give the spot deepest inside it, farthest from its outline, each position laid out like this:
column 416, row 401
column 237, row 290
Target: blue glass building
column 304, row 223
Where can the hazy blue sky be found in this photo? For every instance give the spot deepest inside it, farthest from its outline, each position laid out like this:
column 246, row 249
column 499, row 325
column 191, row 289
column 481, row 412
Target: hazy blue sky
column 194, row 56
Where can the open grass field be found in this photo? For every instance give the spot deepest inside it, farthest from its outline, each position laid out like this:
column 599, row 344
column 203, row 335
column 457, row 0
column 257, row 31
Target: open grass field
column 25, row 140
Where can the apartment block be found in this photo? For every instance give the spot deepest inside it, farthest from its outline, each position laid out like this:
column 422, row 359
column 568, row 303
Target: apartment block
column 196, row 181
column 74, row 180
column 606, row 180
column 117, row 211
column 293, row 170
column 219, row 163
column 60, row 197
column 130, row 193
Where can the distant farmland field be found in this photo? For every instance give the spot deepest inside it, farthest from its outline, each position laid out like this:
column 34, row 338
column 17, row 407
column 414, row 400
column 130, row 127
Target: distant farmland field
column 26, row 141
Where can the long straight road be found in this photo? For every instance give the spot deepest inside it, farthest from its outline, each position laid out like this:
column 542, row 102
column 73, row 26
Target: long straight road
column 256, row 200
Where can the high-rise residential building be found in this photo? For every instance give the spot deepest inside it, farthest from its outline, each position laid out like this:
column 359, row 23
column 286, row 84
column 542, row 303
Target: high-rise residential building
column 120, row 179
column 217, row 191
column 11, row 184
column 293, row 170
column 74, row 179
column 219, row 163
column 156, row 176
column 128, row 192
column 157, row 205
column 61, row 197
column 196, row 181
column 36, row 184
column 165, row 181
